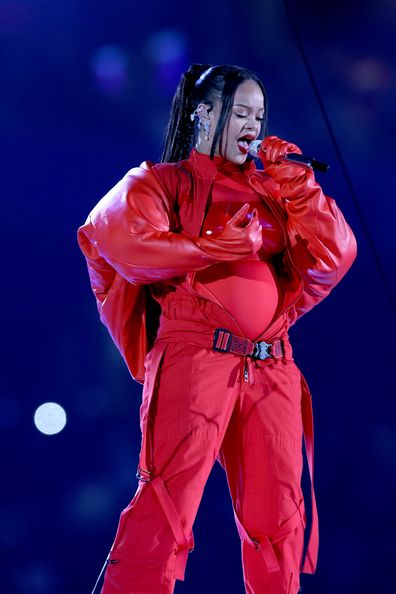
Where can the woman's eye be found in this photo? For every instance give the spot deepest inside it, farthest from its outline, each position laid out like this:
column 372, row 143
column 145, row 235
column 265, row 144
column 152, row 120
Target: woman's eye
column 245, row 115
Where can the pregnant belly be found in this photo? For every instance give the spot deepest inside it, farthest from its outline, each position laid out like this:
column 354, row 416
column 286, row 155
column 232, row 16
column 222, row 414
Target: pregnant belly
column 247, row 289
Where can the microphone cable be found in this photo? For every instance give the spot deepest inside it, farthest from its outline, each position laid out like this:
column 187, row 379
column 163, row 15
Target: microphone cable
column 326, row 119
column 100, row 574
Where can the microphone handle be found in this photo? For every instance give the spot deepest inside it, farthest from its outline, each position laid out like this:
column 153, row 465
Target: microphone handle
column 293, row 157
column 310, row 161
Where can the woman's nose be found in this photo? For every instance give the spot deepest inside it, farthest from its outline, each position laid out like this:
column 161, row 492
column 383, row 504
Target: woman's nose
column 253, row 124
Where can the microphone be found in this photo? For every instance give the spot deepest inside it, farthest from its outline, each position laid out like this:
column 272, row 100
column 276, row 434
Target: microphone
column 254, row 148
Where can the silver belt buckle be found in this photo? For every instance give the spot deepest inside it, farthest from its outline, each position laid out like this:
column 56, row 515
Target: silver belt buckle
column 261, row 350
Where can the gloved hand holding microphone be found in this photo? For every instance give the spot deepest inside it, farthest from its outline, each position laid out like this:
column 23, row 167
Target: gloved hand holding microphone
column 284, row 160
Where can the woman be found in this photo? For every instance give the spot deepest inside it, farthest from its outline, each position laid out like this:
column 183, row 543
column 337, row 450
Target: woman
column 199, row 266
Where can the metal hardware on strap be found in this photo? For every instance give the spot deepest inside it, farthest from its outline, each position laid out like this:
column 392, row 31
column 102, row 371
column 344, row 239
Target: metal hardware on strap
column 143, row 475
column 226, row 342
column 261, row 350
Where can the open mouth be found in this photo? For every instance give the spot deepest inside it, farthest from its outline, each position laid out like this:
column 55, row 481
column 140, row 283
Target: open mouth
column 244, row 143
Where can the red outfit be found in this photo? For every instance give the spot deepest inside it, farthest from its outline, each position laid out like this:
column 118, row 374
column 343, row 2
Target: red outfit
column 199, row 404
column 254, row 275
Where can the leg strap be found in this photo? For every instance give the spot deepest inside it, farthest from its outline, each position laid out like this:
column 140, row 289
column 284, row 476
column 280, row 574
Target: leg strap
column 184, row 544
column 265, row 544
column 311, row 555
column 147, row 476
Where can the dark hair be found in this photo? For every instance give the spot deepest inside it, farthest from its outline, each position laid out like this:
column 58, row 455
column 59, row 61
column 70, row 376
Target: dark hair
column 203, row 83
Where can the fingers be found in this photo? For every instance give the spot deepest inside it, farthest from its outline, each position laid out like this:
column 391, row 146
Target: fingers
column 254, row 221
column 275, row 148
column 255, row 231
column 239, row 216
column 247, row 235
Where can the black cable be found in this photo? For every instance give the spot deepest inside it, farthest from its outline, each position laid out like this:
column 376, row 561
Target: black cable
column 341, row 160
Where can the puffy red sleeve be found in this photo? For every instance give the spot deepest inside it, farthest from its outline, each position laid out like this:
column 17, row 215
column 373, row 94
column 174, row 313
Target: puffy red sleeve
column 322, row 245
column 128, row 233
column 127, row 243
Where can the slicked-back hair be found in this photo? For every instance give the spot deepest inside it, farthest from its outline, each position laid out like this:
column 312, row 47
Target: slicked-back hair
column 203, row 83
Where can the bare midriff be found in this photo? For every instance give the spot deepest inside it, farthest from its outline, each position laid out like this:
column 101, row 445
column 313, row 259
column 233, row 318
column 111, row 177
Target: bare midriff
column 247, row 288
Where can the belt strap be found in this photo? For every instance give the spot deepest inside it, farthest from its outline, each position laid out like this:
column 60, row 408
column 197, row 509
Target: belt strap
column 202, row 336
column 226, row 342
column 311, row 555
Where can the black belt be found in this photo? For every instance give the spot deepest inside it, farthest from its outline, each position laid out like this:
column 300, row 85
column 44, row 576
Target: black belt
column 226, row 342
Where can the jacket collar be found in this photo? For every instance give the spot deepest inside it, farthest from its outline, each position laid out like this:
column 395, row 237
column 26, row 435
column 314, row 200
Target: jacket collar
column 206, row 167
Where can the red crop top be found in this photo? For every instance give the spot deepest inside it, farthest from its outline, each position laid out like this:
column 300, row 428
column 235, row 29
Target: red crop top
column 247, row 288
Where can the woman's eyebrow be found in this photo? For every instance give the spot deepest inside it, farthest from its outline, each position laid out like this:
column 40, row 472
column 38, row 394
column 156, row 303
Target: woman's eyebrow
column 247, row 106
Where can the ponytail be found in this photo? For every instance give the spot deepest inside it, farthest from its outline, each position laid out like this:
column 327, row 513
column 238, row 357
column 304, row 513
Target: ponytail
column 180, row 131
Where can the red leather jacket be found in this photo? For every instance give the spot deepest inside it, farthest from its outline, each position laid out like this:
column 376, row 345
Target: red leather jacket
column 146, row 231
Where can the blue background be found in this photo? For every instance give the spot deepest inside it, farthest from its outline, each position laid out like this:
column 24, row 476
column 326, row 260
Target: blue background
column 86, row 91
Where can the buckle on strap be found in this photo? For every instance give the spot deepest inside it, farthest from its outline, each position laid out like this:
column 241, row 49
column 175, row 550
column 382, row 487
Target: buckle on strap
column 143, row 475
column 226, row 342
column 261, row 350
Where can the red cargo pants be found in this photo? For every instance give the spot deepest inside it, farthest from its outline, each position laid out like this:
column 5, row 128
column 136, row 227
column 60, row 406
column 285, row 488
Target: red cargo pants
column 198, row 405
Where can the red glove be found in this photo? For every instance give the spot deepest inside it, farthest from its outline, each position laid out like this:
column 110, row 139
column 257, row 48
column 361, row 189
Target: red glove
column 240, row 235
column 271, row 151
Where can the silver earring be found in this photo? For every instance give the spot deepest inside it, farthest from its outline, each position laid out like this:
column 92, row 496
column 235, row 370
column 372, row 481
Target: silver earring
column 202, row 123
column 206, row 126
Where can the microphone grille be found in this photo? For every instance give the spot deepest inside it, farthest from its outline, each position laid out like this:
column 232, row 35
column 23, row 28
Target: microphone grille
column 254, row 148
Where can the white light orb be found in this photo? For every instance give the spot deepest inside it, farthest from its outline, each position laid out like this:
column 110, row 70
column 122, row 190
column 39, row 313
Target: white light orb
column 50, row 418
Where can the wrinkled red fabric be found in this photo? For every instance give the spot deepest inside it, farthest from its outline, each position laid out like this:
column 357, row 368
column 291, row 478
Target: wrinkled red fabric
column 144, row 247
column 146, row 231
column 231, row 282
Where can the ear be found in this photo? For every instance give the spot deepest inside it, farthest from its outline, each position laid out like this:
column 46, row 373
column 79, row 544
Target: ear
column 204, row 109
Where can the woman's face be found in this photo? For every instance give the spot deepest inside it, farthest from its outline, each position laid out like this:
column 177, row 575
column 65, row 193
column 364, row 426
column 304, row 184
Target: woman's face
column 243, row 125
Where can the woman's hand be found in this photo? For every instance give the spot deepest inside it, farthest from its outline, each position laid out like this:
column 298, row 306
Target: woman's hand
column 237, row 232
column 271, row 153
